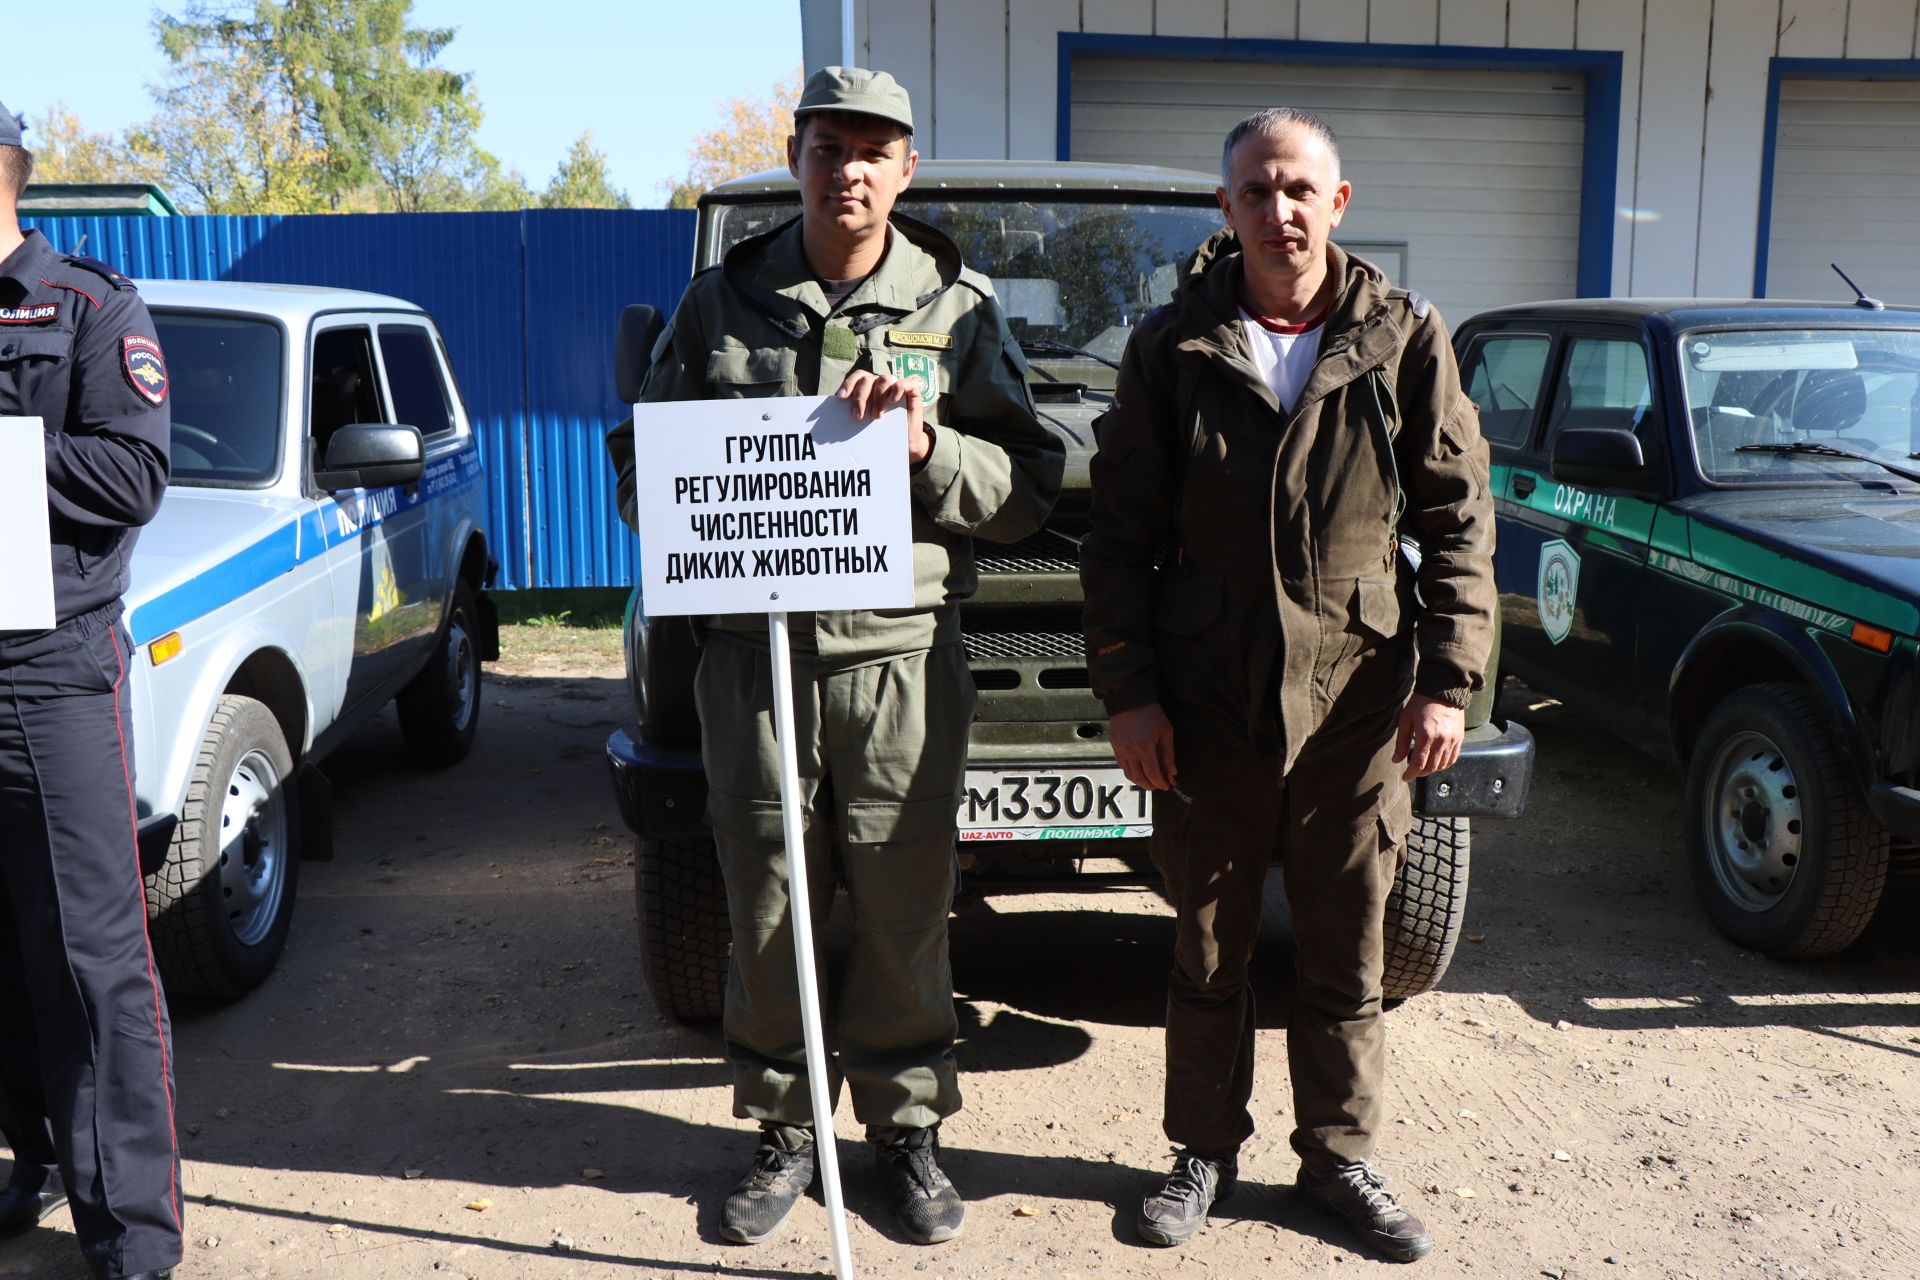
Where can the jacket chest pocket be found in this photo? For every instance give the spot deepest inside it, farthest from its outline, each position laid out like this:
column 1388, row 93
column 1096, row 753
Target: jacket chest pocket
column 741, row 373
column 28, row 359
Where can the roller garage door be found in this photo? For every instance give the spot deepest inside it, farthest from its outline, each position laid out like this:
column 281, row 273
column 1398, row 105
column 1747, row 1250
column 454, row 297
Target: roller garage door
column 1466, row 183
column 1846, row 183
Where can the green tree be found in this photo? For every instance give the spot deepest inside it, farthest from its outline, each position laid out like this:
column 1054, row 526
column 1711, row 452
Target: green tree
column 335, row 99
column 582, row 181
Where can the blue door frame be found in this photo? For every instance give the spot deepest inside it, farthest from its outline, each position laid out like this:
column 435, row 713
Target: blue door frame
column 1600, row 147
column 1807, row 69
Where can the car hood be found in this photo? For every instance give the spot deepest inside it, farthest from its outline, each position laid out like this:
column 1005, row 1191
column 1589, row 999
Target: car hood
column 1872, row 538
column 197, row 530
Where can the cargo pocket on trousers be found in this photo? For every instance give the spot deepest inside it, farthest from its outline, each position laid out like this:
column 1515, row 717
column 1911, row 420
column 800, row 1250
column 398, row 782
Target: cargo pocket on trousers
column 1396, row 821
column 749, row 842
column 901, row 862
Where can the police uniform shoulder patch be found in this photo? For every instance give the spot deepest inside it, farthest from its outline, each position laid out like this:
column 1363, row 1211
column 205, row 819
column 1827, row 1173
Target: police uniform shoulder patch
column 146, row 371
column 100, row 268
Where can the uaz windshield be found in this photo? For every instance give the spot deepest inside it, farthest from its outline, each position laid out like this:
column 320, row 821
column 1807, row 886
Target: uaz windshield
column 1078, row 272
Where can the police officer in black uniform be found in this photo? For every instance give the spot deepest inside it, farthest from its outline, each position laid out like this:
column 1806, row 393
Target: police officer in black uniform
column 86, row 1076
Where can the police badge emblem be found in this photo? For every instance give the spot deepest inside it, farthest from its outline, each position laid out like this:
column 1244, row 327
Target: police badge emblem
column 920, row 369
column 146, row 371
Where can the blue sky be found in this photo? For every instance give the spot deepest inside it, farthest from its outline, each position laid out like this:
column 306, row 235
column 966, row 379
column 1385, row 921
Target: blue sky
column 643, row 77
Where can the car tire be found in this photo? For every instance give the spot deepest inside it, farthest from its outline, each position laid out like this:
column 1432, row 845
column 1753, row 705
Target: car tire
column 1427, row 906
column 686, row 938
column 220, row 906
column 440, row 707
column 1785, row 856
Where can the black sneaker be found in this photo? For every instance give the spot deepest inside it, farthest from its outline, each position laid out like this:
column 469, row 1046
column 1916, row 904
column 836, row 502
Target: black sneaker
column 1176, row 1210
column 780, row 1176
column 1358, row 1194
column 923, row 1200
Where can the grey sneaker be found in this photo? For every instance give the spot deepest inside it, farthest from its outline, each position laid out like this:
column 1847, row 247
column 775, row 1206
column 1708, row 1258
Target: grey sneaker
column 1358, row 1194
column 923, row 1199
column 1176, row 1210
column 761, row 1202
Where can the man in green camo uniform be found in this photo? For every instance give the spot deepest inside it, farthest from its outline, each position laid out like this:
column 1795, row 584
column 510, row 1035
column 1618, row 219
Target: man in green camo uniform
column 879, row 307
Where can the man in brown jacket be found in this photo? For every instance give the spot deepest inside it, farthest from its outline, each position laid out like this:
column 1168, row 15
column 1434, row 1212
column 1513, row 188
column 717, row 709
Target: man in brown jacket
column 1276, row 430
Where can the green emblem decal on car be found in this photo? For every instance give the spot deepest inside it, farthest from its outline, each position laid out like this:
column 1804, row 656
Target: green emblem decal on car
column 1558, row 586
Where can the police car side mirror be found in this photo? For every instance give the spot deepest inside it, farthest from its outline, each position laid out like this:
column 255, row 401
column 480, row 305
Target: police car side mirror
column 1601, row 458
column 640, row 328
column 371, row 455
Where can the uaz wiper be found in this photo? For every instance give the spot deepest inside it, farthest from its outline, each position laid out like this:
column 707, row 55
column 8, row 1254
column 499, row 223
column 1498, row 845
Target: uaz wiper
column 1815, row 449
column 1048, row 347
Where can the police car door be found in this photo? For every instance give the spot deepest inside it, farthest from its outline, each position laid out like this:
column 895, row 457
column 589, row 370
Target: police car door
column 377, row 553
column 1575, row 570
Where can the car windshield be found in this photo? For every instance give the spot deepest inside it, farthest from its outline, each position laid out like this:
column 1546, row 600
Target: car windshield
column 226, row 374
column 1755, row 396
column 1080, row 273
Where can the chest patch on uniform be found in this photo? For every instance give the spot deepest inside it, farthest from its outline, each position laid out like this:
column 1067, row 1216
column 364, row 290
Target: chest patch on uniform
column 37, row 314
column 146, row 371
column 920, row 369
column 911, row 338
column 838, row 343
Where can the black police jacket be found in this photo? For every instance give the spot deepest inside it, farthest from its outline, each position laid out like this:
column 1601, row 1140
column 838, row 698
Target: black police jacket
column 78, row 351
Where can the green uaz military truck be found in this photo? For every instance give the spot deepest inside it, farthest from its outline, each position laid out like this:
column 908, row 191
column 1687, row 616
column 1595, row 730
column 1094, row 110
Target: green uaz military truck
column 1077, row 254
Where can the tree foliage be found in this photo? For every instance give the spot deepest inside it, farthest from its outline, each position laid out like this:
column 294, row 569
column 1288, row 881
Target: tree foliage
column 751, row 136
column 582, row 181
column 64, row 150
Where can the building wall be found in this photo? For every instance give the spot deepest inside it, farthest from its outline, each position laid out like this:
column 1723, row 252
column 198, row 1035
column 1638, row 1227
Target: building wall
column 984, row 75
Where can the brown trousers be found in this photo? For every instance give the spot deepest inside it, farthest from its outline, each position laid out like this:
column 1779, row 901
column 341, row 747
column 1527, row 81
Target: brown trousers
column 1335, row 823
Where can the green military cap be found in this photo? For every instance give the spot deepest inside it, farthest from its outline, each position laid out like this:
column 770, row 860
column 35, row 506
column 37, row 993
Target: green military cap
column 871, row 93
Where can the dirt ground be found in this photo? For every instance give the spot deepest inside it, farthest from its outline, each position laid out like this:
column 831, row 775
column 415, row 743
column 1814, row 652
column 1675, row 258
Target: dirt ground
column 457, row 1071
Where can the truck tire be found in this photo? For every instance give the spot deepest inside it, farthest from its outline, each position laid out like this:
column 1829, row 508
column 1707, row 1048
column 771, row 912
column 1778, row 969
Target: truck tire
column 1427, row 907
column 685, row 935
column 440, row 707
column 220, row 906
column 1785, row 856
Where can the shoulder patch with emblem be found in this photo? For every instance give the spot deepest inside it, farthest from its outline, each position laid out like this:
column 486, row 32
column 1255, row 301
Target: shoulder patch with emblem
column 36, row 313
column 146, row 371
column 914, row 338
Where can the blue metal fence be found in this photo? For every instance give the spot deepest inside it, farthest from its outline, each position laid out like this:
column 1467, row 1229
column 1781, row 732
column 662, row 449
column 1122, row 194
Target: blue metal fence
column 527, row 301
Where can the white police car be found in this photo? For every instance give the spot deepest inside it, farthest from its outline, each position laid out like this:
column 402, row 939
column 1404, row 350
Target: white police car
column 313, row 558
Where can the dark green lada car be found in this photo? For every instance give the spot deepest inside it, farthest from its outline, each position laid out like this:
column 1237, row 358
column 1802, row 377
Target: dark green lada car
column 1709, row 543
column 1078, row 254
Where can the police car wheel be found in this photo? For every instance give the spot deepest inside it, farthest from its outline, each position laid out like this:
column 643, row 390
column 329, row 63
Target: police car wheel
column 1785, row 856
column 220, row 907
column 1427, row 906
column 685, row 934
column 440, row 707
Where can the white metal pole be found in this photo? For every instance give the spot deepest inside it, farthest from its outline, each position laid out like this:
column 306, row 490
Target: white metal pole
column 847, row 58
column 798, row 905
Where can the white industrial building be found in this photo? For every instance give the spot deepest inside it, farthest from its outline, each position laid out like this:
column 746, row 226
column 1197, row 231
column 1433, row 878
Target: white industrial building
column 1500, row 150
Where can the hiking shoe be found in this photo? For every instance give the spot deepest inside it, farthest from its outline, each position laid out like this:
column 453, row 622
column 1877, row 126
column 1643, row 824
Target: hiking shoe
column 922, row 1198
column 1176, row 1210
column 761, row 1202
column 1358, row 1194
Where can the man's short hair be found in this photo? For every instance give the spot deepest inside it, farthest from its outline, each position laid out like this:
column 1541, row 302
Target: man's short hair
column 16, row 168
column 852, row 121
column 1275, row 122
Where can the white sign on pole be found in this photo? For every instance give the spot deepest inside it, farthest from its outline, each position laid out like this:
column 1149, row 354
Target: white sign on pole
column 771, row 506
column 26, row 566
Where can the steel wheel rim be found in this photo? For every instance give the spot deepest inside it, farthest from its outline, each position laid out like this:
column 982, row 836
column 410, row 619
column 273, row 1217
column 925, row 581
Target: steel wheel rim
column 463, row 675
column 252, row 835
column 1756, row 822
